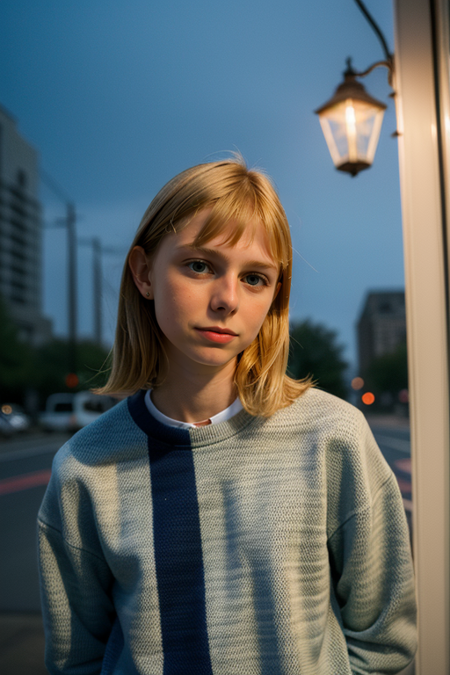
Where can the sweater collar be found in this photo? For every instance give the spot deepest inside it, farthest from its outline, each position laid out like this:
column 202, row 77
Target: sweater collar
column 184, row 438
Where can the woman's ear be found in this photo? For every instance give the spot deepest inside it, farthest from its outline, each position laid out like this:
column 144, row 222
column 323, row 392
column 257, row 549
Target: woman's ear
column 140, row 269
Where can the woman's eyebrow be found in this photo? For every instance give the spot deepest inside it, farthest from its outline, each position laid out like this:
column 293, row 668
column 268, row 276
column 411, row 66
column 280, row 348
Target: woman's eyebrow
column 202, row 250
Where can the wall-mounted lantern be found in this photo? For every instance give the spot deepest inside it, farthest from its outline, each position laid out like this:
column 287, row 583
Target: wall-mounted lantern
column 351, row 119
column 351, row 122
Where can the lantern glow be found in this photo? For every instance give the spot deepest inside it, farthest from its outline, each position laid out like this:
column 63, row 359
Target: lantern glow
column 351, row 122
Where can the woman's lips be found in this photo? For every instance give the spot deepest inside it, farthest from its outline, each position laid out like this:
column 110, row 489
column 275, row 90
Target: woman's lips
column 216, row 335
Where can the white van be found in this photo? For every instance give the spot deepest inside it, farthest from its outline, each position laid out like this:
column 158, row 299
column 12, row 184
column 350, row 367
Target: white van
column 71, row 412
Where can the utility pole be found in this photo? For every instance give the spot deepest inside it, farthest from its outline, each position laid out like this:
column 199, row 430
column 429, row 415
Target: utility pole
column 97, row 280
column 69, row 222
column 72, row 285
column 98, row 289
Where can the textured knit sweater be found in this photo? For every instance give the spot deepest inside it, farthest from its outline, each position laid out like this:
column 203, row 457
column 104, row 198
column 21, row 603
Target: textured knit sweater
column 255, row 546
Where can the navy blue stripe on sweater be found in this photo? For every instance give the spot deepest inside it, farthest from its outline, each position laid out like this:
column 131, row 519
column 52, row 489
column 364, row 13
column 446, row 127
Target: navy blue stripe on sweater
column 178, row 550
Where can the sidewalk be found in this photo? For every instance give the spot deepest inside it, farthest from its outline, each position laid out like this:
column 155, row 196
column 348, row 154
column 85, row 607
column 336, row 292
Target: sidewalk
column 21, row 644
column 387, row 421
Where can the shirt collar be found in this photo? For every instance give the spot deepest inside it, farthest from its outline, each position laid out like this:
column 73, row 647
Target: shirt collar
column 221, row 416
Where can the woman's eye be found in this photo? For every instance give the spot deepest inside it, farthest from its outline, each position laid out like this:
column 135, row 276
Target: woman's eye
column 254, row 280
column 198, row 266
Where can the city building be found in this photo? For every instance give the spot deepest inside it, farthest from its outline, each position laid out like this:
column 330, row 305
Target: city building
column 381, row 325
column 21, row 233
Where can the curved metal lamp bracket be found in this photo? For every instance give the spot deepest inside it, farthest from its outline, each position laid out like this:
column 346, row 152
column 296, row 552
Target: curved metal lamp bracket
column 352, row 143
column 389, row 60
column 386, row 64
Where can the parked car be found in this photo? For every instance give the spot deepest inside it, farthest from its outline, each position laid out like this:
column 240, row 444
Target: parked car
column 71, row 412
column 16, row 416
column 58, row 413
column 6, row 428
column 88, row 406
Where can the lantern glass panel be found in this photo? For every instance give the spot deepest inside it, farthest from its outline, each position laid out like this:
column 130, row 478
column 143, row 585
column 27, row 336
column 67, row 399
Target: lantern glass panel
column 351, row 129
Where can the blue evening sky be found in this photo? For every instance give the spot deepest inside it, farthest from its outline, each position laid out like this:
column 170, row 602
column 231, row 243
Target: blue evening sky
column 119, row 97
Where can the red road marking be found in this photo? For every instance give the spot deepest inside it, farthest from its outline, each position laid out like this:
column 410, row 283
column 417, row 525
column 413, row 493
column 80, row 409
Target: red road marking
column 27, row 480
column 404, row 464
column 404, row 485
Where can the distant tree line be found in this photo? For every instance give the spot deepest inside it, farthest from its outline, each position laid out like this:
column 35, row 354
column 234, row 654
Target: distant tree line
column 387, row 376
column 314, row 351
column 43, row 369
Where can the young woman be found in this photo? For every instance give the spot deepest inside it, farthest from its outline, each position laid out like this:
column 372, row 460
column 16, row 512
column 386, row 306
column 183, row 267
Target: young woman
column 224, row 519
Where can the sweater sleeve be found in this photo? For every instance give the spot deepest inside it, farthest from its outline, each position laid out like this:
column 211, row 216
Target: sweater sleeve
column 75, row 593
column 373, row 584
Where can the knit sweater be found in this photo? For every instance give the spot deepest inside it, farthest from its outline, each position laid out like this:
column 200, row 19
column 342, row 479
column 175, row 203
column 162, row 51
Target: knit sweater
column 255, row 546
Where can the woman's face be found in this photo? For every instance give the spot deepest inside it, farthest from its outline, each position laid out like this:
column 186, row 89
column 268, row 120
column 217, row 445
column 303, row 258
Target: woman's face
column 210, row 302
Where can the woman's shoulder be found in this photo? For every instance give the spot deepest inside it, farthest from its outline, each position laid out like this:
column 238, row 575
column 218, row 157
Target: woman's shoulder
column 110, row 438
column 317, row 409
column 341, row 432
column 89, row 461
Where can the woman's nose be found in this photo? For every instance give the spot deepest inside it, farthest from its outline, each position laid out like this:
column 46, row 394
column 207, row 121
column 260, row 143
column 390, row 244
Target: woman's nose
column 225, row 295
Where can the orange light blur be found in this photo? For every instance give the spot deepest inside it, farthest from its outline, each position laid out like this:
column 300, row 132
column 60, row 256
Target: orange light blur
column 357, row 383
column 6, row 409
column 368, row 398
column 71, row 380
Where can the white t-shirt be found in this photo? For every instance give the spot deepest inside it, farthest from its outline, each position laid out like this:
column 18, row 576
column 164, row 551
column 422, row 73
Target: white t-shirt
column 222, row 416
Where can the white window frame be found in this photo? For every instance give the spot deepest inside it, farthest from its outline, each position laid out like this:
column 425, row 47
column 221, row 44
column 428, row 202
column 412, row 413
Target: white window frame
column 422, row 55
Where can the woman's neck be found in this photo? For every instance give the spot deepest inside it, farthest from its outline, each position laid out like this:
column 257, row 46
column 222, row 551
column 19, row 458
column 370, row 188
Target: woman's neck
column 190, row 397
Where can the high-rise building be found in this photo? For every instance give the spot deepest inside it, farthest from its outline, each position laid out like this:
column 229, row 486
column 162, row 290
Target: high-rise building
column 21, row 233
column 381, row 325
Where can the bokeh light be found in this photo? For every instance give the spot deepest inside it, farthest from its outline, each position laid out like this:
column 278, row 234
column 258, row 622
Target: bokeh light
column 72, row 380
column 357, row 383
column 368, row 398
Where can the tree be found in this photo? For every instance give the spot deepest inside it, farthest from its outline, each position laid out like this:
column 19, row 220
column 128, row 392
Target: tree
column 15, row 358
column 389, row 373
column 314, row 351
column 51, row 366
column 44, row 368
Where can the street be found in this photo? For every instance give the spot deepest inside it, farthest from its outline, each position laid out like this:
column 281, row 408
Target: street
column 25, row 465
column 394, row 443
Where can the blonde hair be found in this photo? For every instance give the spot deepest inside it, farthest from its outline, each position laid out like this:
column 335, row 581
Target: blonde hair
column 232, row 193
